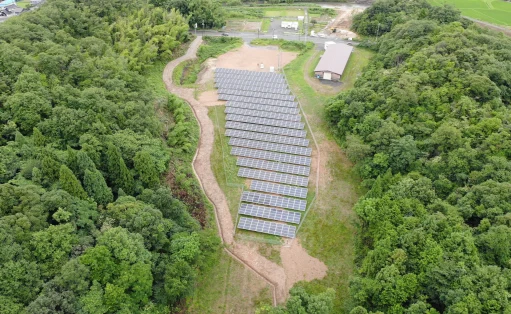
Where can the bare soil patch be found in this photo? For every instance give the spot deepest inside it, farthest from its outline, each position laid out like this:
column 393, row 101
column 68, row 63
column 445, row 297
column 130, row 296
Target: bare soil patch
column 299, row 265
column 249, row 58
column 343, row 20
column 242, row 26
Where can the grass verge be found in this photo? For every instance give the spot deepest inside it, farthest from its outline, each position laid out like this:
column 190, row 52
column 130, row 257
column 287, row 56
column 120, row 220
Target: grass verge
column 186, row 72
column 228, row 287
column 287, row 45
column 328, row 232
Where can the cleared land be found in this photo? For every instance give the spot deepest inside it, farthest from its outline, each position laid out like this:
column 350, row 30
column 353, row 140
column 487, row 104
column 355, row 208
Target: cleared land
column 492, row 11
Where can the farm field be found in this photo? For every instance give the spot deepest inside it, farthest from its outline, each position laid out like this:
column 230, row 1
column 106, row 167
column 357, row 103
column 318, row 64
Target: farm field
column 492, row 11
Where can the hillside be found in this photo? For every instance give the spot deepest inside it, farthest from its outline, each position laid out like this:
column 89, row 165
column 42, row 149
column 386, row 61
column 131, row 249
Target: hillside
column 87, row 222
column 428, row 126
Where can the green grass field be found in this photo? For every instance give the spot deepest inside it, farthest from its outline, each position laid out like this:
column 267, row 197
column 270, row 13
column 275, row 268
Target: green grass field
column 493, row 11
column 282, row 12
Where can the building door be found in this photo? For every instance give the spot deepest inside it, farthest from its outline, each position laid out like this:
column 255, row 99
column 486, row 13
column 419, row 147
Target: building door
column 327, row 75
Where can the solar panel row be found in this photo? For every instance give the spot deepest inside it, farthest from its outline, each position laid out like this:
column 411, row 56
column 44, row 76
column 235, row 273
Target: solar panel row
column 250, row 74
column 273, row 166
column 268, row 227
column 263, row 121
column 275, row 188
column 262, row 95
column 249, row 78
column 253, row 88
column 267, row 137
column 273, row 200
column 270, row 213
column 244, row 105
column 289, row 149
column 261, row 154
column 282, row 85
column 264, row 129
column 263, row 114
column 260, row 101
column 273, row 176
column 247, row 72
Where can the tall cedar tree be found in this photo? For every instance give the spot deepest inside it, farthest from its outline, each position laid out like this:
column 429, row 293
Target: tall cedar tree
column 96, row 187
column 119, row 174
column 68, row 182
column 146, row 169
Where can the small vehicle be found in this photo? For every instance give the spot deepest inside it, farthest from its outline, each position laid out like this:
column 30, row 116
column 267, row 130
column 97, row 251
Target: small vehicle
column 225, row 34
column 275, row 37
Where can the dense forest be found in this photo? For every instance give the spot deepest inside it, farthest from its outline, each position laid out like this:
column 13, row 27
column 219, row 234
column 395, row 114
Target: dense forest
column 429, row 127
column 87, row 225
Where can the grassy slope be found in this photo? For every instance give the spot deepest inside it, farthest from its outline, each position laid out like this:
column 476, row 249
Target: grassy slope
column 492, row 11
column 328, row 232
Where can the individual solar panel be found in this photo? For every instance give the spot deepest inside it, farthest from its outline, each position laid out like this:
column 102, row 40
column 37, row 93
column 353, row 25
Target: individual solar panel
column 275, row 188
column 261, row 154
column 264, row 129
column 245, row 105
column 263, row 114
column 268, row 227
column 273, row 166
column 273, row 200
column 273, row 176
column 267, row 137
column 281, row 148
column 269, row 213
column 263, row 121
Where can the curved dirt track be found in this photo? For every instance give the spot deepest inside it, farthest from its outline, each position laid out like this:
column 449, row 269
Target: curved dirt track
column 280, row 278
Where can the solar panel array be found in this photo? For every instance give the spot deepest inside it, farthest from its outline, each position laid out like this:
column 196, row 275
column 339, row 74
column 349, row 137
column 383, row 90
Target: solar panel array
column 281, row 148
column 268, row 227
column 270, row 213
column 260, row 101
column 257, row 94
column 263, row 121
column 273, row 166
column 272, row 89
column 273, row 200
column 263, row 114
column 245, row 105
column 275, row 188
column 257, row 83
column 264, row 129
column 268, row 137
column 273, row 176
column 261, row 154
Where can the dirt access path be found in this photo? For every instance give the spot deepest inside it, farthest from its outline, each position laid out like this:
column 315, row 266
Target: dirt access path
column 281, row 278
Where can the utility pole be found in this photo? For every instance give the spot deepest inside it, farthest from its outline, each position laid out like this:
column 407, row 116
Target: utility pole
column 202, row 28
column 273, row 30
column 306, row 24
column 258, row 33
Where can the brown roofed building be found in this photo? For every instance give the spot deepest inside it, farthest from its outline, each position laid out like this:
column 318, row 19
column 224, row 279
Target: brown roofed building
column 333, row 62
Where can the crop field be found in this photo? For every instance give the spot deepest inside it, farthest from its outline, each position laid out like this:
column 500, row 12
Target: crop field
column 493, row 11
column 282, row 12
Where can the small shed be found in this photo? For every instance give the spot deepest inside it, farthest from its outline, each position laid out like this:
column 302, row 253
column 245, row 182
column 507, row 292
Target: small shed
column 333, row 62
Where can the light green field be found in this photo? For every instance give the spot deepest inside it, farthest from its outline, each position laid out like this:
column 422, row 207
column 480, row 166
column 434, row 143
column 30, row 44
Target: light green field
column 493, row 11
column 23, row 4
column 282, row 12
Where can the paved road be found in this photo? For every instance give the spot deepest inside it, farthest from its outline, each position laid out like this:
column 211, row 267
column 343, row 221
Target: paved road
column 249, row 36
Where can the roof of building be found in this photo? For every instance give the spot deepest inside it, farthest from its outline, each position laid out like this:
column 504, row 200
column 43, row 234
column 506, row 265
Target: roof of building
column 334, row 59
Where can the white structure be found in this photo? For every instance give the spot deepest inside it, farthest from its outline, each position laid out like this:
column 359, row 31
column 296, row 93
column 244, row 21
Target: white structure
column 285, row 24
column 329, row 43
column 333, row 62
column 301, row 18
